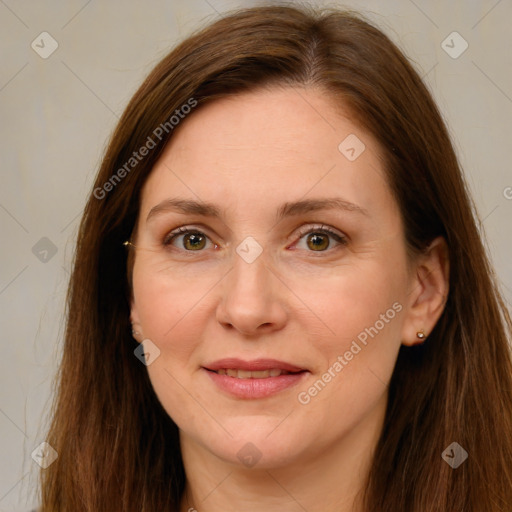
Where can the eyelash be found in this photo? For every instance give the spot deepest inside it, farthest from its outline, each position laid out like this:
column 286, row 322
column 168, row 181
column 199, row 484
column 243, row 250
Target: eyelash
column 340, row 239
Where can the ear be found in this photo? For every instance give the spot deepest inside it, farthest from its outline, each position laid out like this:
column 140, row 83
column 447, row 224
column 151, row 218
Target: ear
column 135, row 321
column 427, row 293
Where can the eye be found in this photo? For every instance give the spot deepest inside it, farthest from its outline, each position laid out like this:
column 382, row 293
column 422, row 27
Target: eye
column 193, row 240
column 318, row 238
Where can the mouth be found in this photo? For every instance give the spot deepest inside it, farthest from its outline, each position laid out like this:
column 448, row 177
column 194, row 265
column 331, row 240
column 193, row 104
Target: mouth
column 253, row 379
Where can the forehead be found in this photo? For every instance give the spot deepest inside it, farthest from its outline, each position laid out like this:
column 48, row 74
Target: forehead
column 268, row 146
column 284, row 123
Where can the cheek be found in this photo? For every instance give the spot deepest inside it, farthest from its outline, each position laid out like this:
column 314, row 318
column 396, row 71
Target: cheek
column 168, row 308
column 173, row 317
column 351, row 301
column 362, row 313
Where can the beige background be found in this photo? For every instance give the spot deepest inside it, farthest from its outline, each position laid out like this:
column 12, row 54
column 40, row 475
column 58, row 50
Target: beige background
column 58, row 112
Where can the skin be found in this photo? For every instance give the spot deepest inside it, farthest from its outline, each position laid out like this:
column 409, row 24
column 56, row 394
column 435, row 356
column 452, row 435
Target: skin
column 248, row 154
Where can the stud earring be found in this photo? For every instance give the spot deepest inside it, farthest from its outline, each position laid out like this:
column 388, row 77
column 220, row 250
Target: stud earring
column 420, row 334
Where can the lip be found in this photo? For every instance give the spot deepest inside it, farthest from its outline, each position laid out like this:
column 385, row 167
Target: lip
column 254, row 365
column 254, row 388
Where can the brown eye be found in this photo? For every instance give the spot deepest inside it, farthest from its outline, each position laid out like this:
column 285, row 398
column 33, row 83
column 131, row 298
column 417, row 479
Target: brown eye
column 187, row 239
column 194, row 241
column 318, row 241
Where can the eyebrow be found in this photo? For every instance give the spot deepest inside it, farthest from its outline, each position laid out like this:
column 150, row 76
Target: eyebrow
column 191, row 207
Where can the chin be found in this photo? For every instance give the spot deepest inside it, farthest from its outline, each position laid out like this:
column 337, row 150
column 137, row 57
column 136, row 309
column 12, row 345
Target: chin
column 256, row 444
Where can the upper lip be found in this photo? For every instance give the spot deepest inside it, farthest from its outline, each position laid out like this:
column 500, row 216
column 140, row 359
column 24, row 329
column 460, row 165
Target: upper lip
column 254, row 365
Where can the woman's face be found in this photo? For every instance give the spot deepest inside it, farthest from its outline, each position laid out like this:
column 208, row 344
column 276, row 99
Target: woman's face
column 294, row 268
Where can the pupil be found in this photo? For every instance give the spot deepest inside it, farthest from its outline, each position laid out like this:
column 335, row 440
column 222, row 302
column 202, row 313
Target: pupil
column 195, row 240
column 319, row 241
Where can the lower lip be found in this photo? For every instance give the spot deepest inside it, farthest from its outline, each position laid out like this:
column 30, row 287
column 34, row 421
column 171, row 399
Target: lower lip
column 255, row 388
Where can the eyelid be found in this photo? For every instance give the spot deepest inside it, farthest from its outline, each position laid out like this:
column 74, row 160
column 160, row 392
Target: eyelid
column 322, row 228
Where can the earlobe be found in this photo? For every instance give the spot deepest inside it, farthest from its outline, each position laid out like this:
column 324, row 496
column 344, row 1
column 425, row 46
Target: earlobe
column 428, row 293
column 134, row 320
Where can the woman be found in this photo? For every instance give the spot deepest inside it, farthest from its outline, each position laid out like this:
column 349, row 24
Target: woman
column 280, row 300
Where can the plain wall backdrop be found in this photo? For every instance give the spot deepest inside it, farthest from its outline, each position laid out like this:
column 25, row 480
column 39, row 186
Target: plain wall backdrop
column 59, row 109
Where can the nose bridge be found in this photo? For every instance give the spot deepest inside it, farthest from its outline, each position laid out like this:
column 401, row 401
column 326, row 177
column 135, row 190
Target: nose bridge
column 250, row 277
column 249, row 294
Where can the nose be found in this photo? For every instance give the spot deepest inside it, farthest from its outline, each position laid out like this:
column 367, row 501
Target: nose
column 252, row 299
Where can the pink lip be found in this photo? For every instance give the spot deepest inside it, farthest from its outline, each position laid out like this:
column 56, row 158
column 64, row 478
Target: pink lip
column 255, row 365
column 254, row 388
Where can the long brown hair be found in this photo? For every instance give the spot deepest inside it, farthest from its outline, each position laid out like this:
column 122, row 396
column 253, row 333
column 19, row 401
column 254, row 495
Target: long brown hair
column 119, row 449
